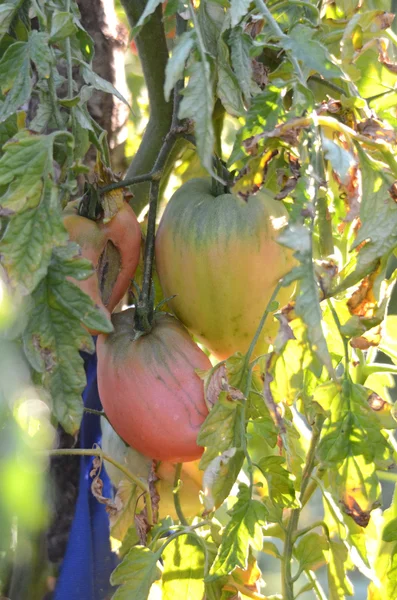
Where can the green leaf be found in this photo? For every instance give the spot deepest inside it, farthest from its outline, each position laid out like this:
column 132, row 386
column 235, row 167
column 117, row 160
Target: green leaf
column 149, row 9
column 341, row 160
column 7, row 12
column 243, row 531
column 240, row 44
column 54, row 335
column 311, row 53
column 183, row 574
column 136, row 574
column 15, row 78
column 101, row 84
column 298, row 238
column 220, row 476
column 197, row 104
column 310, row 551
column 228, row 88
column 62, row 26
column 238, row 9
column 40, row 53
column 29, row 239
column 337, row 565
column 385, row 559
column 176, row 63
column 279, row 481
column 8, row 129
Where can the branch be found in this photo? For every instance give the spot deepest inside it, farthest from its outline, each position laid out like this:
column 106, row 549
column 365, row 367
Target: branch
column 175, row 491
column 153, row 53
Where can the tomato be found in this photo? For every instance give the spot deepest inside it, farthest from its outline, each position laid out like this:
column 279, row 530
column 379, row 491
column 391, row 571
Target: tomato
column 149, row 388
column 219, row 256
column 191, row 476
column 124, row 233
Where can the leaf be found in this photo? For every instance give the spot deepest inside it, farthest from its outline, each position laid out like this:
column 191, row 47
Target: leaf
column 337, row 566
column 197, row 104
column 385, row 559
column 228, row 88
column 243, row 531
column 341, row 160
column 183, row 572
column 238, row 9
column 149, row 9
column 7, row 13
column 29, row 239
column 40, row 53
column 15, row 78
column 307, row 306
column 54, row 334
column 176, row 63
column 378, row 216
column 311, row 53
column 240, row 44
column 62, row 26
column 220, row 476
column 310, row 551
column 100, row 84
column 220, row 430
column 279, row 481
column 136, row 574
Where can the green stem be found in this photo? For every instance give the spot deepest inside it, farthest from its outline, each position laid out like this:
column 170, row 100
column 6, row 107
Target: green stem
column 98, row 452
column 69, row 62
column 185, row 531
column 329, row 84
column 177, row 500
column 287, row 579
column 92, row 411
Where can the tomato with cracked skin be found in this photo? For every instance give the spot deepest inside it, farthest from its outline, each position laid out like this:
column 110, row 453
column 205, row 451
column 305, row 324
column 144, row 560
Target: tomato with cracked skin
column 149, row 387
column 124, row 232
column 219, row 257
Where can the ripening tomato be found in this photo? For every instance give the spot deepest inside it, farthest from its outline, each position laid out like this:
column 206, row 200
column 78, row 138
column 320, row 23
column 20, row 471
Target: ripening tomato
column 149, row 387
column 219, row 256
column 124, row 233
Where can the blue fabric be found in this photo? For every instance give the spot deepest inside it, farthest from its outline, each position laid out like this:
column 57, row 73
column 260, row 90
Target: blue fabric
column 88, row 561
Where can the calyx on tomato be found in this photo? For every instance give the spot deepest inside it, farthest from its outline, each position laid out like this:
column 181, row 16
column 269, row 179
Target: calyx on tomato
column 191, row 476
column 95, row 238
column 218, row 256
column 149, row 387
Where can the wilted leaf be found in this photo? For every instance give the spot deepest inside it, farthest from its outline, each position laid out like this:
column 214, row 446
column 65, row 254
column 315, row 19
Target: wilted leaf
column 101, row 84
column 149, row 9
column 243, row 531
column 228, row 88
column 240, row 44
column 220, row 476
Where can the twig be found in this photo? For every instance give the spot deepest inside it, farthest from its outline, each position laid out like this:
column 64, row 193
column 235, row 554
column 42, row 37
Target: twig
column 54, row 99
column 246, row 591
column 175, row 491
column 287, row 579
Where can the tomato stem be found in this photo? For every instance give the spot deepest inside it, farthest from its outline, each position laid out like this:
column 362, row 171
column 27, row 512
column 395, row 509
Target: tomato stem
column 175, row 491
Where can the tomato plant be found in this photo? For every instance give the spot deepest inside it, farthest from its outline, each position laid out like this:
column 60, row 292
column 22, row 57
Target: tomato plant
column 257, row 423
